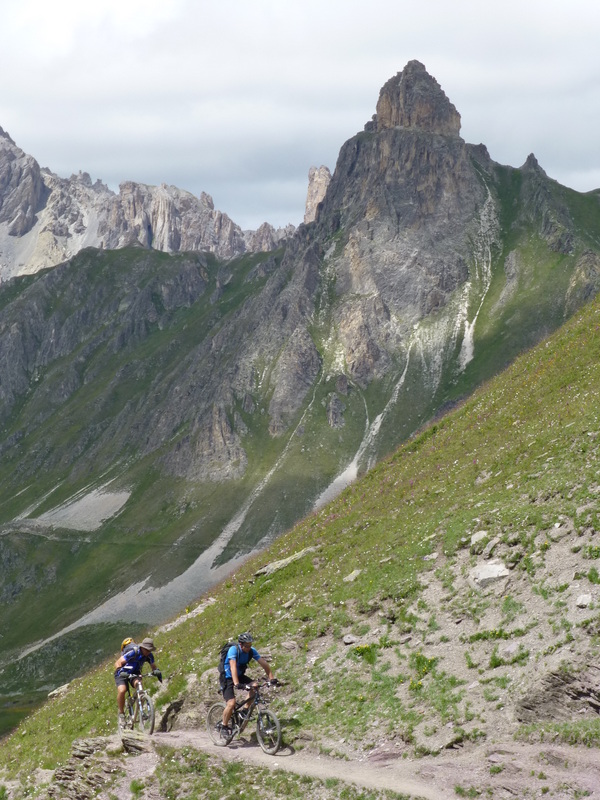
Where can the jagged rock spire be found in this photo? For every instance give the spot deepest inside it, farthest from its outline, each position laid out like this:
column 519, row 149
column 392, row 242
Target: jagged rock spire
column 319, row 179
column 414, row 99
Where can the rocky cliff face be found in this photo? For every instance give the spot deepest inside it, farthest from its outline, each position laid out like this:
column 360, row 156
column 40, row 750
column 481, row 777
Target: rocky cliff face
column 405, row 201
column 45, row 219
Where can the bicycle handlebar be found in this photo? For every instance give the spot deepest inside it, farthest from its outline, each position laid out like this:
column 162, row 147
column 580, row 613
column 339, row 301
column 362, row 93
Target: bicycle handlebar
column 136, row 675
column 259, row 684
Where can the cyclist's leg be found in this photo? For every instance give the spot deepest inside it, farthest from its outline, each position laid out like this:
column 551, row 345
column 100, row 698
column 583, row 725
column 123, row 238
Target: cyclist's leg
column 249, row 685
column 121, row 691
column 229, row 697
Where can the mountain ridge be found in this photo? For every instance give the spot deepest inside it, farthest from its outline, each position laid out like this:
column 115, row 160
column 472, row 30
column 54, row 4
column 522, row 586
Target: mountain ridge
column 45, row 219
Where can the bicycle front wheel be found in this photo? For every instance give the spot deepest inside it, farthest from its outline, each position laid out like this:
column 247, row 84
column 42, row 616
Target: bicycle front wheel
column 145, row 713
column 268, row 732
column 214, row 720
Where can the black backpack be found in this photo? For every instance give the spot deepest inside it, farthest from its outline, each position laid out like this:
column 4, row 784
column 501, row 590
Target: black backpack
column 222, row 656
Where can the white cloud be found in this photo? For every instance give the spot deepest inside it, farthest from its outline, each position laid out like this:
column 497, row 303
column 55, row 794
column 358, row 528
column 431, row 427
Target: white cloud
column 239, row 99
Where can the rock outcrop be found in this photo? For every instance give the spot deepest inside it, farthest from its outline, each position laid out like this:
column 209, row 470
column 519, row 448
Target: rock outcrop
column 319, row 179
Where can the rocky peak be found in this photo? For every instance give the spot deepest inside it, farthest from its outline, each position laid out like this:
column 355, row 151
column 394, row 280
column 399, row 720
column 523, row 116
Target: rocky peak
column 21, row 188
column 4, row 135
column 532, row 165
column 267, row 237
column 207, row 201
column 414, row 99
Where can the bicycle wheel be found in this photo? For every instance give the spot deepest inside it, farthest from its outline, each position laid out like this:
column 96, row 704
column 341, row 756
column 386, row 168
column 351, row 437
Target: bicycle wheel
column 268, row 732
column 214, row 720
column 146, row 714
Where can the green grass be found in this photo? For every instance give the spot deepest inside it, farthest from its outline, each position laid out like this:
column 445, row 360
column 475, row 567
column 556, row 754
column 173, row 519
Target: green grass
column 577, row 732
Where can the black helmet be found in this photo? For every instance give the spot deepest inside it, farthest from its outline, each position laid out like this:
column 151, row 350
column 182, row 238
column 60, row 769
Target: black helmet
column 244, row 638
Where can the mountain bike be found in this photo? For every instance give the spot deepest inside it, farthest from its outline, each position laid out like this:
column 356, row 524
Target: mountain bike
column 268, row 727
column 139, row 708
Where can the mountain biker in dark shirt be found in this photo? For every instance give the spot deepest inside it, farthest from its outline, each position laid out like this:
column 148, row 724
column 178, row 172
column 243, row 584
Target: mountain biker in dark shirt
column 129, row 667
column 237, row 659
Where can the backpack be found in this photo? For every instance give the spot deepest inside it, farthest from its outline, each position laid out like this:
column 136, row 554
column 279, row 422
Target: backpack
column 222, row 656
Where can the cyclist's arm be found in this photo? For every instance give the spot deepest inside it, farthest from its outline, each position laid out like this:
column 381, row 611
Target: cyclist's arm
column 267, row 667
column 120, row 662
column 234, row 672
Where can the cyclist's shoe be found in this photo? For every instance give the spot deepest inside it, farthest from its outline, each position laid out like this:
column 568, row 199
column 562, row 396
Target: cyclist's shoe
column 225, row 732
column 122, row 723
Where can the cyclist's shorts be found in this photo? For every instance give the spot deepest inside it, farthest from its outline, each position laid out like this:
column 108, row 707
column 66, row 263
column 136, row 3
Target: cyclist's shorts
column 229, row 691
column 122, row 679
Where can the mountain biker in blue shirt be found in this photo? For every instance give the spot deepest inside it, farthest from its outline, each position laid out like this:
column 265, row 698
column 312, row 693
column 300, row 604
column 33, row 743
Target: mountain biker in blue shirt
column 129, row 667
column 237, row 659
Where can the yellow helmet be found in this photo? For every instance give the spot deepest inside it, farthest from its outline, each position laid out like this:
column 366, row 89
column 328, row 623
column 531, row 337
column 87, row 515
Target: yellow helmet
column 125, row 642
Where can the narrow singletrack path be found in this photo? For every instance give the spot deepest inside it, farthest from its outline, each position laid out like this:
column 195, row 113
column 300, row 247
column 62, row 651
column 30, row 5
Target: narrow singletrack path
column 397, row 776
column 501, row 770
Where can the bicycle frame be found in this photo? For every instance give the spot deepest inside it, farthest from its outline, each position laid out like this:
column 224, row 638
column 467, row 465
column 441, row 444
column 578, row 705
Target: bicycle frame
column 138, row 704
column 240, row 722
column 134, row 692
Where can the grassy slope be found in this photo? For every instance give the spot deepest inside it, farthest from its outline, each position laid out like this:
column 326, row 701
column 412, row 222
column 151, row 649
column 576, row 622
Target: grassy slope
column 518, row 458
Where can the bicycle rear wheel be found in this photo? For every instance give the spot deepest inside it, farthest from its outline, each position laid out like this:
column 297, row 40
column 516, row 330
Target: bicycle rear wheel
column 214, row 720
column 146, row 714
column 268, row 732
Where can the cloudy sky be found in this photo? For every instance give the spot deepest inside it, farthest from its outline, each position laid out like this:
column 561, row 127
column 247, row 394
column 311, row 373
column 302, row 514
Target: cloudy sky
column 239, row 98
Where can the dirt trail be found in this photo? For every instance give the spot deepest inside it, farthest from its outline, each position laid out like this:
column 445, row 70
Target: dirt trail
column 397, row 776
column 510, row 771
